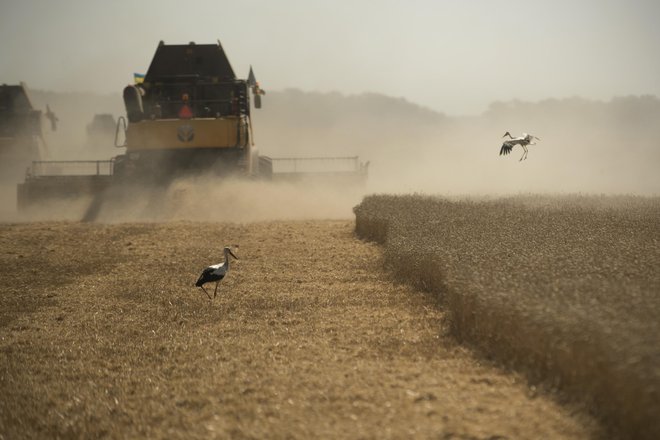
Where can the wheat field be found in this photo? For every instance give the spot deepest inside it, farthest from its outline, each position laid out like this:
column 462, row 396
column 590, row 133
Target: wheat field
column 566, row 289
column 103, row 335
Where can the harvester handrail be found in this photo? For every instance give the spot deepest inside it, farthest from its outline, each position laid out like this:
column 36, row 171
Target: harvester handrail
column 318, row 158
column 340, row 164
column 44, row 168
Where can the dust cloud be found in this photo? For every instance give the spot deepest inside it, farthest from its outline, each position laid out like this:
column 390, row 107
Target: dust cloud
column 204, row 199
column 72, row 138
column 230, row 200
column 586, row 147
column 8, row 202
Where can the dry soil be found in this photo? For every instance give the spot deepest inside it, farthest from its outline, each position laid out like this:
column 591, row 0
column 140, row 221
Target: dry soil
column 102, row 334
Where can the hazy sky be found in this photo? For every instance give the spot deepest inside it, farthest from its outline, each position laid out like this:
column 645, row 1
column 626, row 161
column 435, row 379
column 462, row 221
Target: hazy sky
column 454, row 56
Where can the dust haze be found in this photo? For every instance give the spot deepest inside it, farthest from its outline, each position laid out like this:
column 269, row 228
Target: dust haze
column 204, row 199
column 211, row 199
column 586, row 147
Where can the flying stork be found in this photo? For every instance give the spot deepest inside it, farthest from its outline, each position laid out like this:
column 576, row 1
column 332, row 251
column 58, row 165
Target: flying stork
column 523, row 141
column 215, row 273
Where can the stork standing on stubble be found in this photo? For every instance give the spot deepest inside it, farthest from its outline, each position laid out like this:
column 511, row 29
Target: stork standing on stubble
column 215, row 273
column 523, row 141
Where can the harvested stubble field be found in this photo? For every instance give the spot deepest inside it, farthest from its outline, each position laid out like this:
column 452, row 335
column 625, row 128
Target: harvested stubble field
column 102, row 335
column 567, row 289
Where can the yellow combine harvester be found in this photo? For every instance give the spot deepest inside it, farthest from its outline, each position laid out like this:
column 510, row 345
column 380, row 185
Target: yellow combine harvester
column 189, row 115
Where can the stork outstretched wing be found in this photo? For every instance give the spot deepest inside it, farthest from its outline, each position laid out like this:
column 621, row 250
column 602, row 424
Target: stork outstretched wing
column 506, row 148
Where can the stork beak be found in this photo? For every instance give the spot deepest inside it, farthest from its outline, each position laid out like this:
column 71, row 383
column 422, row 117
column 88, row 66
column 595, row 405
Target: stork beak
column 232, row 254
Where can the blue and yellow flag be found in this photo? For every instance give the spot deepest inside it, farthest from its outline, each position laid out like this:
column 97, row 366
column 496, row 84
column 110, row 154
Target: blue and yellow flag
column 138, row 78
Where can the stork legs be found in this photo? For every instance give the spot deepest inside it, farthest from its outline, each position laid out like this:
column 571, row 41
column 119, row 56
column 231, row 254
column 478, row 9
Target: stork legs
column 215, row 292
column 524, row 156
column 207, row 294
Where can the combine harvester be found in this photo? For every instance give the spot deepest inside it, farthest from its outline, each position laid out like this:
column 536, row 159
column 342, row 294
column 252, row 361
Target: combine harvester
column 21, row 136
column 190, row 116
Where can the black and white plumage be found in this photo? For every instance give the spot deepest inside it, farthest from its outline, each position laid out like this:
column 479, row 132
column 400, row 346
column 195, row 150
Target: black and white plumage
column 523, row 141
column 215, row 273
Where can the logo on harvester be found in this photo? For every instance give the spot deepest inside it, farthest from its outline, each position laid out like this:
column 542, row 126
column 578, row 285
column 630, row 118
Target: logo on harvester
column 185, row 133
